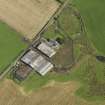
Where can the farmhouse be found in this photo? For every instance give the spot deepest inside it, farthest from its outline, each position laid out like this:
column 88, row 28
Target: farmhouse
column 37, row 62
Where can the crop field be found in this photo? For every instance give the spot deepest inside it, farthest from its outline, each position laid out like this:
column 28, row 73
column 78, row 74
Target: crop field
column 27, row 16
column 10, row 46
column 93, row 13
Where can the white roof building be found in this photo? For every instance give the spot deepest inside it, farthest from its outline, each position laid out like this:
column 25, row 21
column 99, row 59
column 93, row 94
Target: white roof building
column 46, row 49
column 29, row 57
column 37, row 62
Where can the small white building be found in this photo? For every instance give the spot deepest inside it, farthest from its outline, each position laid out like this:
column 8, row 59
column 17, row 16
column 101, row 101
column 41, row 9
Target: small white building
column 46, row 49
column 37, row 62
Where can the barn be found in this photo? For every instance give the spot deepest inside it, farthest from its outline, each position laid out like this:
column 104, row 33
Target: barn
column 37, row 62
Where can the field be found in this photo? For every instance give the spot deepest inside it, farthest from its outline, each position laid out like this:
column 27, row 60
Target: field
column 69, row 22
column 93, row 13
column 27, row 16
column 12, row 94
column 54, row 93
column 10, row 46
column 60, row 94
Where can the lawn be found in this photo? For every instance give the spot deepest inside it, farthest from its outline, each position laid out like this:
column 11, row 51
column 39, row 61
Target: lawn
column 10, row 46
column 93, row 13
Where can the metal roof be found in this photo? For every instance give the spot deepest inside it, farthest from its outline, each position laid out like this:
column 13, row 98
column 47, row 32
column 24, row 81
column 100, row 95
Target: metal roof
column 37, row 62
column 46, row 49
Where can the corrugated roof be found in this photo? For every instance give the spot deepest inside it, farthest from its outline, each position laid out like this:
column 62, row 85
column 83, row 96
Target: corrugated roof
column 45, row 48
column 37, row 62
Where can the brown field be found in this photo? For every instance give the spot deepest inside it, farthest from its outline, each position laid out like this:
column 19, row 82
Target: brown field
column 52, row 94
column 27, row 16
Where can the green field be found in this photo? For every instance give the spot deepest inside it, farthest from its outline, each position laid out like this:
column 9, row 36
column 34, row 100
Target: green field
column 69, row 22
column 10, row 46
column 93, row 13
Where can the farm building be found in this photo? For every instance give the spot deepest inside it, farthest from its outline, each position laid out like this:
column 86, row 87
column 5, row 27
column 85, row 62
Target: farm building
column 46, row 49
column 22, row 71
column 37, row 62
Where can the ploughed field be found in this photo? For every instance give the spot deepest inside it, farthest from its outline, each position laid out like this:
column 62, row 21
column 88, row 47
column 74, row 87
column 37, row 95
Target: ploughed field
column 93, row 13
column 27, row 16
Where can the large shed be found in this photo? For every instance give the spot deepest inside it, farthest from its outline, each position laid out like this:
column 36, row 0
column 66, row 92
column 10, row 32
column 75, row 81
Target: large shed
column 37, row 62
column 46, row 49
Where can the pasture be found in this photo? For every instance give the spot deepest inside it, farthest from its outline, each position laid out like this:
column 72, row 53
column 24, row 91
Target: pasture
column 93, row 13
column 27, row 16
column 10, row 46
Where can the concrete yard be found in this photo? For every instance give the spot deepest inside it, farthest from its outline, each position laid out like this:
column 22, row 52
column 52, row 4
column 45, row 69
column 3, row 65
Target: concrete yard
column 27, row 16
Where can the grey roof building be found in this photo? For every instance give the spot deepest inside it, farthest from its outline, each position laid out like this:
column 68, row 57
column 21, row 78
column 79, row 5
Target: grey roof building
column 37, row 62
column 46, row 49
